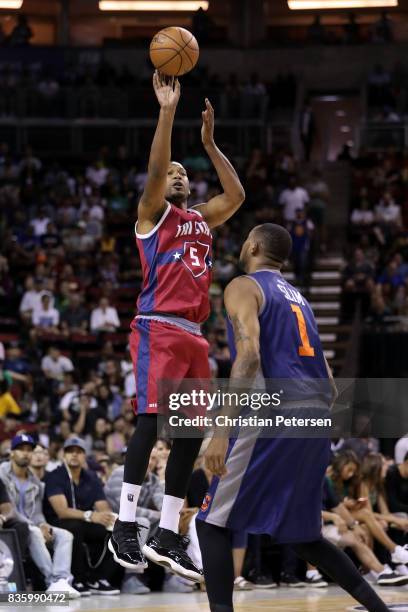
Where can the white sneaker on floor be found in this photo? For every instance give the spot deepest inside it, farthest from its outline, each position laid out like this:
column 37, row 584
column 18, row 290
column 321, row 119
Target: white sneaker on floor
column 177, row 584
column 240, row 584
column 63, row 586
column 402, row 569
column 400, row 555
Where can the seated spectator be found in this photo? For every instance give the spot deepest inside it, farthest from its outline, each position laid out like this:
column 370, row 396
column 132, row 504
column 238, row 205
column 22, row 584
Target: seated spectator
column 396, row 487
column 39, row 460
column 344, row 475
column 75, row 501
column 40, row 223
column 292, row 198
column 340, row 528
column 116, row 440
column 358, row 282
column 54, row 364
column 16, row 360
column 388, row 217
column 45, row 317
column 104, row 318
column 9, row 521
column 372, row 488
column 362, row 217
column 401, row 449
column 74, row 319
column 391, row 276
column 31, row 298
column 78, row 241
column 26, row 494
column 8, row 404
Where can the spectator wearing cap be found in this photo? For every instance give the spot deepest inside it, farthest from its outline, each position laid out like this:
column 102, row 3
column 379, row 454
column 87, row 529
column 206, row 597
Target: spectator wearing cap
column 26, row 496
column 75, row 500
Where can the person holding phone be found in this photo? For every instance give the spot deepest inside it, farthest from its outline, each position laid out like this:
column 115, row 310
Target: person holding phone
column 344, row 475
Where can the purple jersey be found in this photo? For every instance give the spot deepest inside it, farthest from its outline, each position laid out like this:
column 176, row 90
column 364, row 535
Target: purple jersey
column 289, row 340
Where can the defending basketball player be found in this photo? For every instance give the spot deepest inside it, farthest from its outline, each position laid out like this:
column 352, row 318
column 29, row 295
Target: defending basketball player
column 263, row 484
column 175, row 246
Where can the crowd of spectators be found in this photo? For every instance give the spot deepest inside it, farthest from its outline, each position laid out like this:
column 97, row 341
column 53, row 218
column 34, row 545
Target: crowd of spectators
column 100, row 90
column 376, row 275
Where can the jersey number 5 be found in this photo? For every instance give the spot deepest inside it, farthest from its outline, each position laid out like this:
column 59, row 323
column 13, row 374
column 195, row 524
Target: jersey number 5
column 305, row 350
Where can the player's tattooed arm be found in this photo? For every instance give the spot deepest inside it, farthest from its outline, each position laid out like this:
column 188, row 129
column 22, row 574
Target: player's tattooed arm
column 220, row 208
column 242, row 301
column 152, row 203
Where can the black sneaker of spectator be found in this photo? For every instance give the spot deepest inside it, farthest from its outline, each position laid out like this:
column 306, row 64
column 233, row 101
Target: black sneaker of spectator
column 316, row 581
column 259, row 581
column 82, row 589
column 124, row 545
column 291, row 581
column 391, row 579
column 168, row 549
column 102, row 587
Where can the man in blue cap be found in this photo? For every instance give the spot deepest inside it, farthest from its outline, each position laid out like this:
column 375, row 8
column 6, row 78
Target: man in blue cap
column 26, row 495
column 75, row 500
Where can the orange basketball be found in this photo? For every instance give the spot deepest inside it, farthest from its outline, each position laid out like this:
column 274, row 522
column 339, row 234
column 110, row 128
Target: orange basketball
column 174, row 51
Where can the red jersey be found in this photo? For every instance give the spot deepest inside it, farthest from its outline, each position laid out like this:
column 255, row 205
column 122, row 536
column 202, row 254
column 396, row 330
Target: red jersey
column 176, row 258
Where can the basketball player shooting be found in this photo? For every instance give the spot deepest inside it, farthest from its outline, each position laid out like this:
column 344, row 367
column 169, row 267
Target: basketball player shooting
column 272, row 485
column 175, row 246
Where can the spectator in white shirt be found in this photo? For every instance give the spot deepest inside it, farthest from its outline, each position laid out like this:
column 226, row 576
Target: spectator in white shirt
column 54, row 364
column 45, row 316
column 363, row 216
column 104, row 318
column 40, row 223
column 97, row 173
column 293, row 198
column 401, row 449
column 387, row 212
column 30, row 299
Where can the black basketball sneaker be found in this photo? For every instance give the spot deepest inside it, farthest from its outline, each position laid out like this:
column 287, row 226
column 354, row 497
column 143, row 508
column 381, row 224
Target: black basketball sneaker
column 168, row 549
column 124, row 545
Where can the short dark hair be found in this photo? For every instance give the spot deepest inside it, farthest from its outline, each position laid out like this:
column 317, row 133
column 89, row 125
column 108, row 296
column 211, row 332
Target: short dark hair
column 405, row 457
column 275, row 240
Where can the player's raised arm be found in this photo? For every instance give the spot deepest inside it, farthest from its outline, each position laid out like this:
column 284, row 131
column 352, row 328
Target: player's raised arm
column 152, row 203
column 220, row 208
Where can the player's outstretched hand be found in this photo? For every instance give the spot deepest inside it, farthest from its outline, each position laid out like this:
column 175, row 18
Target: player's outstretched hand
column 207, row 130
column 167, row 90
column 215, row 456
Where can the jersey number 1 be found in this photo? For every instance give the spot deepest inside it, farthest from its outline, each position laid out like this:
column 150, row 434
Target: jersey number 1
column 305, row 350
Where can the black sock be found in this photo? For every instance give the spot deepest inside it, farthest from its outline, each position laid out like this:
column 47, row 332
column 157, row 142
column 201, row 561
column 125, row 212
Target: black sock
column 180, row 465
column 139, row 448
column 216, row 550
column 336, row 564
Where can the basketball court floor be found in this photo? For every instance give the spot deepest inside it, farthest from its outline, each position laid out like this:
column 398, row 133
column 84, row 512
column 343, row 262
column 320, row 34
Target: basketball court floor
column 331, row 599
